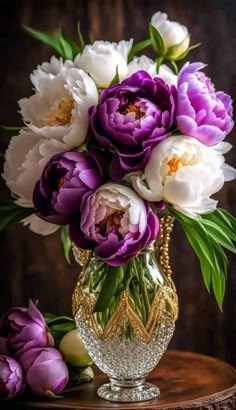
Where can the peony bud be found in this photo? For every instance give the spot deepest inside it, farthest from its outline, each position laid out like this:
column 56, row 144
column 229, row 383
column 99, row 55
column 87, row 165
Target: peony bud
column 25, row 329
column 11, row 377
column 73, row 350
column 46, row 372
column 86, row 375
column 175, row 36
column 3, row 346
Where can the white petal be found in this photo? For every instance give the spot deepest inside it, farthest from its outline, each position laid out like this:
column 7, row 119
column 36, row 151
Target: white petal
column 167, row 75
column 142, row 63
column 100, row 60
column 223, row 147
column 124, row 47
column 37, row 225
column 203, row 207
column 144, row 192
column 229, row 172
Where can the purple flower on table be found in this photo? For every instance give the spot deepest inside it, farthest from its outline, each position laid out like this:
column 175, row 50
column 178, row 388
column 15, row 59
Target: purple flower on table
column 64, row 181
column 25, row 328
column 46, row 372
column 201, row 111
column 131, row 118
column 11, row 377
column 116, row 223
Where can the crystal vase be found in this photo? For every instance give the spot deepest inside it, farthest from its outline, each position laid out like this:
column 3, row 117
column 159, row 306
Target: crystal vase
column 126, row 317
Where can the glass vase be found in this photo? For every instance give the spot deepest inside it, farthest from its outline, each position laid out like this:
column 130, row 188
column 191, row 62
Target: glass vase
column 126, row 316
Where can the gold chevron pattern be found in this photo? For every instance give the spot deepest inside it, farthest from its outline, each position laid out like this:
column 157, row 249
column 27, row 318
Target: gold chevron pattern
column 164, row 307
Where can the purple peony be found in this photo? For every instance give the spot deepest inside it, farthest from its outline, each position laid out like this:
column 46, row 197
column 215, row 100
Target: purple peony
column 116, row 223
column 4, row 346
column 11, row 377
column 131, row 117
column 46, row 372
column 202, row 112
column 64, row 181
column 25, row 328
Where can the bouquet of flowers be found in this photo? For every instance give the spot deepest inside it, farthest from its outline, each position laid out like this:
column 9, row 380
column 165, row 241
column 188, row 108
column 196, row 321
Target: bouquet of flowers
column 112, row 141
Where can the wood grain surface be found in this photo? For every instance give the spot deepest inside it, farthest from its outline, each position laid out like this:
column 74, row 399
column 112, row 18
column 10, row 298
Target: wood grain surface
column 186, row 381
column 32, row 266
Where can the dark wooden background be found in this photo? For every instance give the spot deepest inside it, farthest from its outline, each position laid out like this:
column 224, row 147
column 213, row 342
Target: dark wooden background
column 33, row 266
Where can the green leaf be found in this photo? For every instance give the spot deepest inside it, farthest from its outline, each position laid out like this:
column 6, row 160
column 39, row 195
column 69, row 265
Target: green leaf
column 159, row 61
column 65, row 46
column 45, row 38
column 221, row 257
column 202, row 246
column 206, row 269
column 227, row 217
column 206, row 239
column 10, row 131
column 219, row 220
column 137, row 47
column 116, row 79
column 66, row 242
column 175, row 67
column 62, row 327
column 81, row 39
column 113, row 277
column 218, row 283
column 216, row 233
column 156, row 40
column 54, row 319
column 74, row 46
column 49, row 316
column 12, row 213
column 183, row 55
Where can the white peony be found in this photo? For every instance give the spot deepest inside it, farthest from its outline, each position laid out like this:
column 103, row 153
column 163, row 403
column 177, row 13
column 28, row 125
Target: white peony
column 59, row 107
column 142, row 63
column 185, row 173
column 25, row 158
column 101, row 60
column 149, row 65
column 54, row 67
column 175, row 36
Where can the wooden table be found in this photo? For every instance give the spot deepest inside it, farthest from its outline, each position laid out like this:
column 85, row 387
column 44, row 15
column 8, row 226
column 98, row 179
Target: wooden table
column 186, row 381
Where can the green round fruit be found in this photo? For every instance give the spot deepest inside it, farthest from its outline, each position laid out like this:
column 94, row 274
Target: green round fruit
column 73, row 350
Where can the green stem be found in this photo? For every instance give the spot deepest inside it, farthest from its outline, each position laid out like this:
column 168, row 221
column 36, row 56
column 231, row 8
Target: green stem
column 141, row 278
column 159, row 61
column 128, row 274
column 138, row 305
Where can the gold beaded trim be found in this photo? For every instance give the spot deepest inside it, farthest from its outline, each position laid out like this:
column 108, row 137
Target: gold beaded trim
column 165, row 300
column 82, row 256
column 163, row 242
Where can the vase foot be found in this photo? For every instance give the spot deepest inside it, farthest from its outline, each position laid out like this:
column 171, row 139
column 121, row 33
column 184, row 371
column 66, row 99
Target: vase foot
column 142, row 392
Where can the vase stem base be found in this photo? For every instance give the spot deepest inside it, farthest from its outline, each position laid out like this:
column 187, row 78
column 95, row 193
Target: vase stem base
column 143, row 392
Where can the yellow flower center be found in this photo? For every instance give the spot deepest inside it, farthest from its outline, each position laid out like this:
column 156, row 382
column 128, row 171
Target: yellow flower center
column 61, row 115
column 132, row 107
column 61, row 182
column 111, row 222
column 175, row 163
